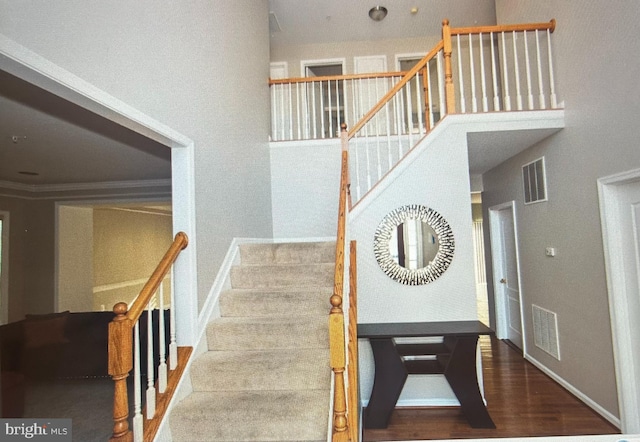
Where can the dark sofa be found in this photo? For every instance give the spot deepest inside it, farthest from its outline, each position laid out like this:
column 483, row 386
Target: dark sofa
column 60, row 346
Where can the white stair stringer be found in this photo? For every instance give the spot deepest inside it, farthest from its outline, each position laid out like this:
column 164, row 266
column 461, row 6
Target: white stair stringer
column 266, row 374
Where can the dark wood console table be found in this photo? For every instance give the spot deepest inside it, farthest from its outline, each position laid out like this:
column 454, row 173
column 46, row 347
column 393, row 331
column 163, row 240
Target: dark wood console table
column 455, row 357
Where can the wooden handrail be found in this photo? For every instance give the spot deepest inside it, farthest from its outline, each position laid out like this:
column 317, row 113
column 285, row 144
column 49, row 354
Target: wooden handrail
column 337, row 350
column 550, row 25
column 120, row 344
column 389, row 95
column 374, row 75
column 179, row 243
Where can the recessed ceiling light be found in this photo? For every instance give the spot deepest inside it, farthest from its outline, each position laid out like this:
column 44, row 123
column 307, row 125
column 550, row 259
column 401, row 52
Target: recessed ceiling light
column 377, row 13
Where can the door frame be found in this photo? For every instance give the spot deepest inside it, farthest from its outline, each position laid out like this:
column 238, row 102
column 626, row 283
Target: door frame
column 4, row 270
column 33, row 68
column 498, row 263
column 619, row 296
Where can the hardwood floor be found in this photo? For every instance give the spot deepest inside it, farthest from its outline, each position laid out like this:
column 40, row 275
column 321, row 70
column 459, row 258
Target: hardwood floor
column 522, row 401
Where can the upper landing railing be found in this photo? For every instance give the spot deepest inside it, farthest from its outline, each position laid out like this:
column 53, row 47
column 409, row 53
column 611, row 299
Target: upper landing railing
column 477, row 69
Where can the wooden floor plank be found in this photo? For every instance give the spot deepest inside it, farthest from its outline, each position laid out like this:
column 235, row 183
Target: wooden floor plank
column 521, row 399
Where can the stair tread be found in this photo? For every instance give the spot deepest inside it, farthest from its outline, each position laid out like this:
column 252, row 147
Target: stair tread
column 287, row 252
column 277, row 369
column 252, row 416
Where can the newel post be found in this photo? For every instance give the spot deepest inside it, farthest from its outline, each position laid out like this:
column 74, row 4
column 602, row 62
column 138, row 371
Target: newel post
column 448, row 72
column 120, row 364
column 338, row 363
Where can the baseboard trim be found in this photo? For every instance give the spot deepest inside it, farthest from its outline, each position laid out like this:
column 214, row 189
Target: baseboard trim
column 420, row 403
column 574, row 391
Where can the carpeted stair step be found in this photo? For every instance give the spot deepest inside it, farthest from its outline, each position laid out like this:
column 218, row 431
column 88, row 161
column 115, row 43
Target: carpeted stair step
column 251, row 416
column 278, row 276
column 289, row 369
column 256, row 302
column 288, row 253
column 260, row 333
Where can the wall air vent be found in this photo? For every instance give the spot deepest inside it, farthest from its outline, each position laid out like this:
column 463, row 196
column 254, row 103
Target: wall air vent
column 545, row 331
column 534, row 181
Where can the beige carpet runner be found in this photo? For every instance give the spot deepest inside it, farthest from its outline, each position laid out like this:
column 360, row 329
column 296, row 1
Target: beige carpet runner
column 266, row 375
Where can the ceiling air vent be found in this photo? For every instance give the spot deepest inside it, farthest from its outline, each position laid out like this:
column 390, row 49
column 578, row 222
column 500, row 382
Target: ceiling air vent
column 274, row 25
column 535, row 182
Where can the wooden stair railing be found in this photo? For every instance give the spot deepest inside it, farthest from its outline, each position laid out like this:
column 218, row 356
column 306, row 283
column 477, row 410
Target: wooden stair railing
column 345, row 412
column 121, row 355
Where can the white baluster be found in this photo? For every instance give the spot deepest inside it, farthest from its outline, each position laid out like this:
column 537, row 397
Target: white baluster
column 494, row 76
column 419, row 99
column 407, row 92
column 528, row 68
column 173, row 346
column 474, row 100
column 483, row 79
column 463, row 108
column 507, row 97
column 541, row 97
column 331, row 133
column 388, row 123
column 322, row 118
column 516, row 69
column 398, row 109
column 274, row 113
column 357, row 168
column 290, row 112
column 138, row 427
column 151, row 391
column 299, row 121
column 162, row 367
column 314, row 114
column 429, row 93
column 554, row 100
column 306, row 111
column 338, row 118
column 282, row 126
column 440, row 62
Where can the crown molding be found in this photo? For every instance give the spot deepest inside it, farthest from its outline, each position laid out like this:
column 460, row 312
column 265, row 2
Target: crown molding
column 104, row 188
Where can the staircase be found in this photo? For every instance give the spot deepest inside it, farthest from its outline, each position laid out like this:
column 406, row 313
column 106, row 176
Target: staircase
column 266, row 374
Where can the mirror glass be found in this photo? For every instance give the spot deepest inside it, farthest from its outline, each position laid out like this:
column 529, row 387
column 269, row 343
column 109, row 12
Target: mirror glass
column 414, row 245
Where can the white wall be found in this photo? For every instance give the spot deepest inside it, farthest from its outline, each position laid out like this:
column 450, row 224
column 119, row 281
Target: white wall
column 596, row 63
column 75, row 259
column 437, row 177
column 305, row 183
column 199, row 67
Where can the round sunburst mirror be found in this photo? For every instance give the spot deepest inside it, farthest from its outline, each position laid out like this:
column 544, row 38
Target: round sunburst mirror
column 414, row 245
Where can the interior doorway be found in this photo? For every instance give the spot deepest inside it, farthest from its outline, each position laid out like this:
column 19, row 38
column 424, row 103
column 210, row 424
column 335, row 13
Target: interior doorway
column 4, row 267
column 620, row 216
column 506, row 274
column 324, row 100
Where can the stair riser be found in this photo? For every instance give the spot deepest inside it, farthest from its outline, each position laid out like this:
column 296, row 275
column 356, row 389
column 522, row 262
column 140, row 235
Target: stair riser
column 266, row 336
column 272, row 277
column 235, row 303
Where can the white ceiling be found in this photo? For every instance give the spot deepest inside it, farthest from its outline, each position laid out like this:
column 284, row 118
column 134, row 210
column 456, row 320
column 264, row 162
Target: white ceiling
column 65, row 144
column 327, row 21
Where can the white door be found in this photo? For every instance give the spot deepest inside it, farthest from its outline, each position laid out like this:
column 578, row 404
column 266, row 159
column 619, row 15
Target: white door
column 506, row 281
column 620, row 214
